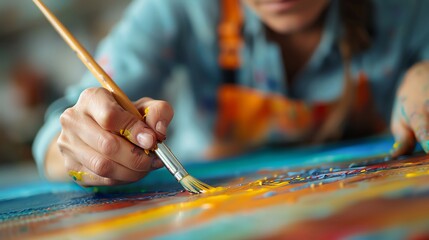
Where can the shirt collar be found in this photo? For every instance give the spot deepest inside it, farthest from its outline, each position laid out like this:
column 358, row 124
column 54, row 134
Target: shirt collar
column 330, row 37
column 254, row 27
column 252, row 24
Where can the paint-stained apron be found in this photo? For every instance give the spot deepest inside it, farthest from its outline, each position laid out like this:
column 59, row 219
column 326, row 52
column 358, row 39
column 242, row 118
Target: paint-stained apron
column 248, row 118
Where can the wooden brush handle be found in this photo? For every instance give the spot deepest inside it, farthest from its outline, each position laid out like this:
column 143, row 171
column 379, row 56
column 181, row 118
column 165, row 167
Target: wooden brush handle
column 102, row 77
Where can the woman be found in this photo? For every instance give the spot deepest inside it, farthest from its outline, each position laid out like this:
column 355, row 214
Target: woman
column 260, row 72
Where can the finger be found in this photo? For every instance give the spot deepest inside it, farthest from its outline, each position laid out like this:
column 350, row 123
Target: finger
column 158, row 115
column 80, row 128
column 157, row 163
column 404, row 138
column 419, row 124
column 100, row 165
column 100, row 105
column 85, row 177
column 115, row 147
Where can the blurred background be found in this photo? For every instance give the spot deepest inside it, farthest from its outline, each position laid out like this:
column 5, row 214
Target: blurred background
column 36, row 66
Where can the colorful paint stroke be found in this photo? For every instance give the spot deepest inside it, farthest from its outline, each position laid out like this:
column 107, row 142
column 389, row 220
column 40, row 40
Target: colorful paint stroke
column 354, row 191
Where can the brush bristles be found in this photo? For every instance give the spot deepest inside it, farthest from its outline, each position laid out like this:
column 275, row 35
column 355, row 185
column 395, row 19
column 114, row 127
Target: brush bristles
column 194, row 185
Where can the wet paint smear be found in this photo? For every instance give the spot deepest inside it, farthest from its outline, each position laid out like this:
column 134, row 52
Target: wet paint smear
column 353, row 198
column 146, row 112
column 77, row 176
column 126, row 133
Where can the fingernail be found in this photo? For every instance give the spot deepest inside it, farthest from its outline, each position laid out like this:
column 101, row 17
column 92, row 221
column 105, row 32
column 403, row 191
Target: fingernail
column 161, row 127
column 145, row 140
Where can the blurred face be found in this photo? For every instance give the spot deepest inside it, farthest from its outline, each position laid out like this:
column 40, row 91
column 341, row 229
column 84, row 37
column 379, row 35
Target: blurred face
column 288, row 16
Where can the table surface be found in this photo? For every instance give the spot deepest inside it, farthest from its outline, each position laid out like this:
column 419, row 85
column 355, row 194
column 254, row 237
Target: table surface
column 351, row 189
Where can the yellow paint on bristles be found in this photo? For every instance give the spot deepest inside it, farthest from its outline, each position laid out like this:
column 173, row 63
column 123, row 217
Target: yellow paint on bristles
column 194, row 185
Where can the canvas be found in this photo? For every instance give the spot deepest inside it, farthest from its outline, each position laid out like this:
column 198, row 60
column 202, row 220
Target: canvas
column 350, row 190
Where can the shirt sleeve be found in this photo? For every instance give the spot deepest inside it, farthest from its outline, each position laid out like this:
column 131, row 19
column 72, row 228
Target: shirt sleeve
column 138, row 54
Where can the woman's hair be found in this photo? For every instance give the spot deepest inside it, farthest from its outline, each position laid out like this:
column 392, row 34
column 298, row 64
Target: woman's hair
column 357, row 26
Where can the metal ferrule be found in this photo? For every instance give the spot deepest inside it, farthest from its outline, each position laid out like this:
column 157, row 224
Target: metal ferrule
column 170, row 161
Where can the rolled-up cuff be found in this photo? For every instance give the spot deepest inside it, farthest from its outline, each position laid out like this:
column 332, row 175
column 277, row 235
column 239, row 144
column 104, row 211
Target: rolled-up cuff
column 43, row 140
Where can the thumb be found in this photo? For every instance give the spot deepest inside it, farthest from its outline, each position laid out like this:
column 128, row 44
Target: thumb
column 404, row 138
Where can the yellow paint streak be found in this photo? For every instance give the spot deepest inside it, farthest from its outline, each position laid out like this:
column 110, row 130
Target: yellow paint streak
column 214, row 197
column 77, row 176
column 127, row 134
column 146, row 112
column 241, row 197
column 417, row 174
column 396, row 145
column 215, row 190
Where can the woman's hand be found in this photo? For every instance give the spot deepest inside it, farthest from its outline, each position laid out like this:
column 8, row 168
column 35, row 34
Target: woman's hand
column 93, row 141
column 411, row 111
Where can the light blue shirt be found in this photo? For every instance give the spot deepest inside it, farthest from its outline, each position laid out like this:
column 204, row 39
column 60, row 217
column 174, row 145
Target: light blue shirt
column 156, row 37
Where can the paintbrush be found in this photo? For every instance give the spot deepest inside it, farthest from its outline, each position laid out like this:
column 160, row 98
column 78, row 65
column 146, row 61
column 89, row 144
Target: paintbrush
column 164, row 153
